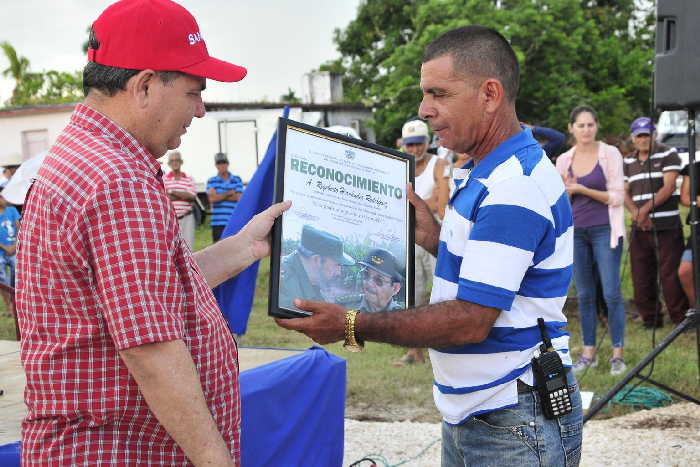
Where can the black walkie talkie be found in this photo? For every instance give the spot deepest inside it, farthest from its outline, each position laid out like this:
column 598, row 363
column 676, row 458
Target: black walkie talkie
column 550, row 378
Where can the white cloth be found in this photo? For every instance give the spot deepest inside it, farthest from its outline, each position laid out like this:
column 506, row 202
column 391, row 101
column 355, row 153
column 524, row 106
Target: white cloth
column 424, row 269
column 187, row 227
column 424, row 261
column 16, row 189
column 425, row 182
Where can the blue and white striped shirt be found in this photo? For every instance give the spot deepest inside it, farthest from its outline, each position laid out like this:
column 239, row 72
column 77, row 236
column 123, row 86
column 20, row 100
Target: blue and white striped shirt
column 222, row 210
column 506, row 242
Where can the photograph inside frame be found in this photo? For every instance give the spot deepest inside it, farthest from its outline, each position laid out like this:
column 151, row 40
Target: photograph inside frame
column 346, row 239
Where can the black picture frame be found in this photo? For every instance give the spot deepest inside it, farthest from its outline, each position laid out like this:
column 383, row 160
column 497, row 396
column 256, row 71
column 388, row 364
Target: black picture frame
column 367, row 151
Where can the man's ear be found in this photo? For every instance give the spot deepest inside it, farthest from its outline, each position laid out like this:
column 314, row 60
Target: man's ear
column 397, row 287
column 140, row 86
column 493, row 93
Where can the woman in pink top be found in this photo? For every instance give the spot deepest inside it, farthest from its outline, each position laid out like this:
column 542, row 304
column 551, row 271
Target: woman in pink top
column 592, row 172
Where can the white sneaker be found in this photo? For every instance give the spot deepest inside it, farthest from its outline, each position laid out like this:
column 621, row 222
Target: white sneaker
column 617, row 366
column 583, row 364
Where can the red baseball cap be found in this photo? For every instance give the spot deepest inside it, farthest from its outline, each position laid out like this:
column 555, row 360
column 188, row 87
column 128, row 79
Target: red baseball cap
column 158, row 35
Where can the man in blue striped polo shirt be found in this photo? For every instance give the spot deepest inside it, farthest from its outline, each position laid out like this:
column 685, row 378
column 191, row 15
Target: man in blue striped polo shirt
column 504, row 259
column 223, row 190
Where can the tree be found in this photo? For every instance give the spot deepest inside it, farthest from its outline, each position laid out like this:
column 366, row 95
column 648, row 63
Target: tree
column 39, row 88
column 61, row 86
column 290, row 97
column 86, row 43
column 18, row 70
column 570, row 52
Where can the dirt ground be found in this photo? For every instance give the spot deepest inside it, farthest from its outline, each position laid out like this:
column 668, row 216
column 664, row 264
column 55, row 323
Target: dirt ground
column 373, row 413
column 668, row 436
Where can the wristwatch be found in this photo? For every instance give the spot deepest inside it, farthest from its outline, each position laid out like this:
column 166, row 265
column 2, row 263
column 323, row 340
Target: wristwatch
column 351, row 343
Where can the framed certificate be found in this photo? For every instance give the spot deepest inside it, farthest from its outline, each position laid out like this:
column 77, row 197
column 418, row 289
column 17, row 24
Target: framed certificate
column 348, row 237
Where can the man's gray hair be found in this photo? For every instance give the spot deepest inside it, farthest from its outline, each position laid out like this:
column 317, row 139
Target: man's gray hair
column 479, row 51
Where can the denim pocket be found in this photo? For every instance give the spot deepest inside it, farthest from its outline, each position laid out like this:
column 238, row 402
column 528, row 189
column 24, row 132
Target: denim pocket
column 506, row 426
column 573, row 457
column 571, row 428
column 571, row 441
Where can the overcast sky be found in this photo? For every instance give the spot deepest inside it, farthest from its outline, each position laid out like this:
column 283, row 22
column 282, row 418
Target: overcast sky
column 277, row 40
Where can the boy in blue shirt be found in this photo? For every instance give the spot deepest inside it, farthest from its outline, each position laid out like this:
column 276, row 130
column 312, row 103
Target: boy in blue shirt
column 9, row 218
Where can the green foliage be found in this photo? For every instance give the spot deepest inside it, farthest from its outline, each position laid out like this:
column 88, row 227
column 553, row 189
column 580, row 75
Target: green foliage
column 46, row 87
column 86, row 44
column 571, row 52
column 290, row 97
column 19, row 66
column 61, row 86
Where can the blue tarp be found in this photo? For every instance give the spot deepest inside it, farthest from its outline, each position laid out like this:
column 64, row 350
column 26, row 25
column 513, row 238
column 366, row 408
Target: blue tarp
column 9, row 454
column 292, row 413
column 235, row 296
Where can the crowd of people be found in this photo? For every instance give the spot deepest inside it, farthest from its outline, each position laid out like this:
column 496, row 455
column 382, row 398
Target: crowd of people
column 127, row 357
column 223, row 191
column 600, row 183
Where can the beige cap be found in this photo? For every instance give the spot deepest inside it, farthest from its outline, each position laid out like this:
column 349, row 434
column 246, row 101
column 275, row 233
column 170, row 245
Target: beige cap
column 13, row 158
column 414, row 131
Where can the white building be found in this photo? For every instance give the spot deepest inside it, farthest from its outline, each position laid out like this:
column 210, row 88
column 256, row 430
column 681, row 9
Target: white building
column 241, row 130
column 31, row 130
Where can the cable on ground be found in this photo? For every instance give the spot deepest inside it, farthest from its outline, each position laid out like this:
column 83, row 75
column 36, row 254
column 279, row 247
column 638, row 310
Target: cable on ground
column 374, row 458
column 641, row 397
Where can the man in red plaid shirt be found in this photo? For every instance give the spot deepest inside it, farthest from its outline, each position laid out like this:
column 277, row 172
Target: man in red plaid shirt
column 127, row 356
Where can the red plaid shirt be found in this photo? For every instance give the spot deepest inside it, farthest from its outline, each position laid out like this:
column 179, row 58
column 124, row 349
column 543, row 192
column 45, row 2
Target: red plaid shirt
column 184, row 183
column 102, row 267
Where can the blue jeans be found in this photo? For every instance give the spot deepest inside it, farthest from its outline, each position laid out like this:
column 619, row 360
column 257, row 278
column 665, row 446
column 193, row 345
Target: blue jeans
column 687, row 256
column 592, row 248
column 7, row 269
column 516, row 436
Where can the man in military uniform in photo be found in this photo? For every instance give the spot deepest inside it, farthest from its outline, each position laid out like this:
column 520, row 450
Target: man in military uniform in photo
column 381, row 281
column 316, row 262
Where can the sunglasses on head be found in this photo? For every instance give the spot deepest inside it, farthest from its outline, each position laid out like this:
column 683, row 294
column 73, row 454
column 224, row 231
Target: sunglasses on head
column 378, row 281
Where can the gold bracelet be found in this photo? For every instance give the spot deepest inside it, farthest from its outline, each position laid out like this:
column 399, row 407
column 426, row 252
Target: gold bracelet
column 351, row 343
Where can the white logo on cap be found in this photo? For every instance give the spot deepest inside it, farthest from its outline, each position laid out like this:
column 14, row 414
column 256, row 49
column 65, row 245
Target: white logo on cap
column 194, row 38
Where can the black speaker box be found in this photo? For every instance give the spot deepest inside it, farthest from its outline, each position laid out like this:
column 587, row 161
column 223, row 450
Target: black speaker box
column 677, row 64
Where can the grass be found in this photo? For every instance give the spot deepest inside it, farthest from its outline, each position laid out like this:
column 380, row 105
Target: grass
column 677, row 366
column 7, row 324
column 376, row 390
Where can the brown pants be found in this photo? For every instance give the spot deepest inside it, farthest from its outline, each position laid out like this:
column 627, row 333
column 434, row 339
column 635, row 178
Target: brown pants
column 643, row 259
